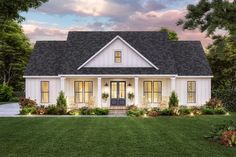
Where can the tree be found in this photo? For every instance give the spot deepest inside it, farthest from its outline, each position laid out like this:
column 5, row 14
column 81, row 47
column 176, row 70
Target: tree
column 210, row 16
column 11, row 9
column 173, row 100
column 222, row 58
column 15, row 50
column 61, row 100
column 172, row 35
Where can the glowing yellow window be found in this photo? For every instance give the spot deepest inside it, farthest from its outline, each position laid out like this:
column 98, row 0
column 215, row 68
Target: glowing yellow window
column 117, row 56
column 44, row 91
column 191, row 91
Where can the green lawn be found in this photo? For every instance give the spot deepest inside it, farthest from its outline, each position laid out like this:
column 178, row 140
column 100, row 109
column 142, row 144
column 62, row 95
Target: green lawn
column 162, row 136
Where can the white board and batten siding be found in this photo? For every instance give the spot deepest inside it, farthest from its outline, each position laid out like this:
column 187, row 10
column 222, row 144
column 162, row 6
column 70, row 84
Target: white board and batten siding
column 129, row 57
column 203, row 91
column 33, row 89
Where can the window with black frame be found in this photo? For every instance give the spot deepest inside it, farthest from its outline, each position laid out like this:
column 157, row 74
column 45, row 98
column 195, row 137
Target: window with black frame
column 148, row 90
column 191, row 91
column 157, row 91
column 83, row 91
column 44, row 91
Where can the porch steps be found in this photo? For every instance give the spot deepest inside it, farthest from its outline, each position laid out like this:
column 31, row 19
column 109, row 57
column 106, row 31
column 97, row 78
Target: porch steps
column 117, row 110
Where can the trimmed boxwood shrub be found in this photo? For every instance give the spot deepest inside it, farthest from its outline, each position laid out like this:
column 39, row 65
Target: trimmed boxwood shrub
column 135, row 112
column 101, row 111
column 28, row 110
column 185, row 111
column 74, row 112
column 167, row 112
column 52, row 109
column 207, row 111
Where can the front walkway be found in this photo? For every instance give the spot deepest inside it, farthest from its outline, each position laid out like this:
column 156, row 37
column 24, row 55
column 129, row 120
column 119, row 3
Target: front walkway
column 9, row 109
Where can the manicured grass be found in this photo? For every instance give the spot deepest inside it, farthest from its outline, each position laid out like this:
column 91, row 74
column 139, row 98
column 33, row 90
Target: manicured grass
column 162, row 136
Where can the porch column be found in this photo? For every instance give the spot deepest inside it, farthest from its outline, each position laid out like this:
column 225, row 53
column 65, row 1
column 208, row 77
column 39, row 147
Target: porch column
column 172, row 84
column 63, row 84
column 136, row 96
column 99, row 92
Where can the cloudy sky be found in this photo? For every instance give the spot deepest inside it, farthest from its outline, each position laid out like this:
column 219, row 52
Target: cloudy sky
column 54, row 19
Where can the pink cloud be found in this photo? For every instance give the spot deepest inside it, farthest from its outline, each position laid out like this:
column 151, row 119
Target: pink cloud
column 149, row 21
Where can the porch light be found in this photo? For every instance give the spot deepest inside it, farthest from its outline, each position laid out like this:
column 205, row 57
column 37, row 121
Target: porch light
column 129, row 84
column 106, row 84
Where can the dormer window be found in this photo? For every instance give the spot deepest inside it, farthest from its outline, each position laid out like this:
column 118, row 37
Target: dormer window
column 117, row 56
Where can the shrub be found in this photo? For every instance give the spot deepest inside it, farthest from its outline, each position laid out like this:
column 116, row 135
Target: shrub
column 135, row 112
column 14, row 99
column 61, row 100
column 217, row 130
column 28, row 110
column 214, row 103
column 220, row 110
column 153, row 113
column 173, row 100
column 207, row 111
column 6, row 93
column 24, row 102
column 167, row 112
column 51, row 109
column 197, row 110
column 101, row 111
column 228, row 97
column 41, row 110
column 228, row 138
column 74, row 112
column 185, row 111
column 86, row 111
column 61, row 111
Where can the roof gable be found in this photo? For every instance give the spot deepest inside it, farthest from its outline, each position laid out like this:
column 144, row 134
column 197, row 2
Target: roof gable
column 105, row 56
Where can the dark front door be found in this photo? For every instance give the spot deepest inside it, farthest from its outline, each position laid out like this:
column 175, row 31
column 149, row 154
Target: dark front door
column 118, row 93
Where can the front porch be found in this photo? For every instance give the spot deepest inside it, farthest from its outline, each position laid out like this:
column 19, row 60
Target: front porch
column 148, row 91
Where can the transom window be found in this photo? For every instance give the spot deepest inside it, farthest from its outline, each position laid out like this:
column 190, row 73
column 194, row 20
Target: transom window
column 191, row 91
column 153, row 91
column 44, row 91
column 117, row 56
column 83, row 91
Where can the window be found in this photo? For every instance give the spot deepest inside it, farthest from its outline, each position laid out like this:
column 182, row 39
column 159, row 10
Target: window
column 117, row 56
column 157, row 92
column 83, row 91
column 148, row 90
column 191, row 91
column 153, row 91
column 44, row 91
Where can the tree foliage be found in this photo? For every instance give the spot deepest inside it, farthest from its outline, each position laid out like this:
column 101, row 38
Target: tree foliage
column 15, row 50
column 210, row 16
column 172, row 35
column 11, row 9
column 61, row 100
column 173, row 100
column 222, row 58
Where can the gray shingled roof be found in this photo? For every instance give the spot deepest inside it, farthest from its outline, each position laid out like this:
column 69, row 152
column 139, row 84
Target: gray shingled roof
column 64, row 57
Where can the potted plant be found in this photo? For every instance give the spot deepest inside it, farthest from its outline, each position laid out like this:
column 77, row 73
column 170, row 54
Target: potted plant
column 105, row 96
column 131, row 95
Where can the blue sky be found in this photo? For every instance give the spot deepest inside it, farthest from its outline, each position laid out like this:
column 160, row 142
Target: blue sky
column 54, row 19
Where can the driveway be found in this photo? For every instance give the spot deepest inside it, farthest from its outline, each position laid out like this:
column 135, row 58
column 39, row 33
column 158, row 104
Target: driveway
column 9, row 109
